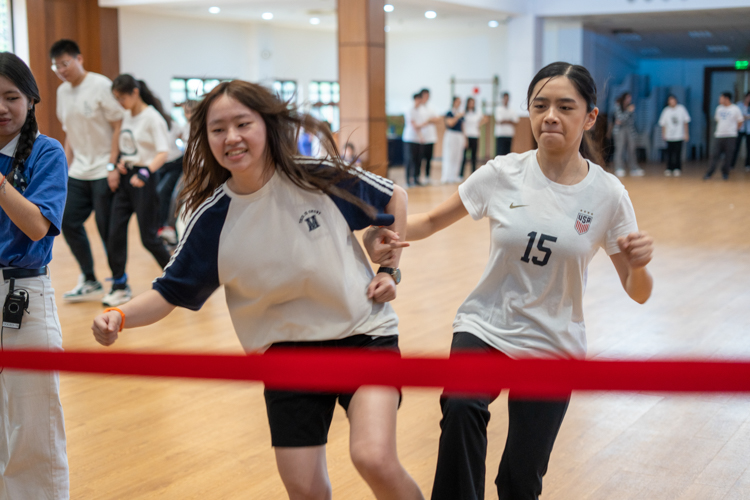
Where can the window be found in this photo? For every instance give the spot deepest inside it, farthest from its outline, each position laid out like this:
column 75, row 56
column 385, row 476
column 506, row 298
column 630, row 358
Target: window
column 6, row 27
column 184, row 89
column 324, row 102
column 285, row 89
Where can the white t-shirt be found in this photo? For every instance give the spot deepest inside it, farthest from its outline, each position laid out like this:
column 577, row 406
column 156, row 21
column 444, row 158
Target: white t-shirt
column 291, row 267
column 429, row 132
column 528, row 302
column 85, row 112
column 674, row 120
column 505, row 129
column 143, row 136
column 727, row 118
column 472, row 120
column 177, row 131
column 410, row 133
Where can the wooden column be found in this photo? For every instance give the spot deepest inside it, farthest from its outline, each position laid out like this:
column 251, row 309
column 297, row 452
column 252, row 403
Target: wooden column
column 361, row 34
column 92, row 27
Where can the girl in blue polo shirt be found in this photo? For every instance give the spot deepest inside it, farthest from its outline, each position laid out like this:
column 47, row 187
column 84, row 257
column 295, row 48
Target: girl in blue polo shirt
column 33, row 183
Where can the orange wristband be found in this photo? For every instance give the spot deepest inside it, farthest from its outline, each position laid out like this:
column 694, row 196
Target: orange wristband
column 122, row 324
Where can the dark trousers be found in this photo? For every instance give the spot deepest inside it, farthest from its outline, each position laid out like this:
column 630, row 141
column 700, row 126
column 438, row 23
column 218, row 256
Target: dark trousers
column 144, row 202
column 532, row 428
column 723, row 146
column 166, row 178
column 83, row 197
column 472, row 147
column 674, row 155
column 412, row 161
column 502, row 145
column 746, row 137
column 427, row 157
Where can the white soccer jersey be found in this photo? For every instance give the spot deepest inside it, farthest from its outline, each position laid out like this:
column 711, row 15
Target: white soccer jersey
column 528, row 302
column 289, row 262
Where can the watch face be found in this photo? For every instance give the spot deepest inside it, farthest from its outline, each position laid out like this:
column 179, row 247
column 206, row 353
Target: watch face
column 397, row 275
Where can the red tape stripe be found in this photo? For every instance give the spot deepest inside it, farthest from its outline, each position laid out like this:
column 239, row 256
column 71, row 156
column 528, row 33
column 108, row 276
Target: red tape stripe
column 338, row 370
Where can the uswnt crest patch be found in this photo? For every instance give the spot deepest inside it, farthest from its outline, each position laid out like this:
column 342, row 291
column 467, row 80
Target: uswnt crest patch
column 583, row 221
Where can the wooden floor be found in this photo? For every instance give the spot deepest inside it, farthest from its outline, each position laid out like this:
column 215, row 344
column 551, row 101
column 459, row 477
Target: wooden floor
column 136, row 438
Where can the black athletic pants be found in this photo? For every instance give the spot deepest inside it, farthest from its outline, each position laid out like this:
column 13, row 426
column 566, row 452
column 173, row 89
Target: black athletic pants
column 746, row 136
column 502, row 145
column 722, row 146
column 83, row 197
column 532, row 429
column 144, row 202
column 472, row 147
column 427, row 157
column 674, row 155
column 167, row 177
column 412, row 161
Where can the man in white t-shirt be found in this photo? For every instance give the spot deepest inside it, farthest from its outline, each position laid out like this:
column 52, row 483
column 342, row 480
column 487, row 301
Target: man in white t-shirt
column 505, row 127
column 412, row 138
column 675, row 131
column 729, row 120
column 427, row 120
column 744, row 133
column 91, row 119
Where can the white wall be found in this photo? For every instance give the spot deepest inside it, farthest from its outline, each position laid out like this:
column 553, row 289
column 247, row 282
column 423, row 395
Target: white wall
column 157, row 48
column 415, row 61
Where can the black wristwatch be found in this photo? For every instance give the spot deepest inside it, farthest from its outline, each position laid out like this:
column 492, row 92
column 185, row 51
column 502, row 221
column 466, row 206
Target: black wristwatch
column 393, row 271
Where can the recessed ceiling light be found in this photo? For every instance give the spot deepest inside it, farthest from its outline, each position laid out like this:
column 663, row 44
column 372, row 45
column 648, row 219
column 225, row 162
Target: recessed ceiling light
column 388, row 7
column 387, row 29
column 430, row 14
column 717, row 48
column 267, row 16
column 314, row 20
column 493, row 24
column 700, row 34
column 214, row 10
column 629, row 37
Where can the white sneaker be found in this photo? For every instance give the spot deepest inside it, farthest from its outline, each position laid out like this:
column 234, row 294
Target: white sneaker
column 84, row 290
column 667, row 173
column 116, row 297
column 677, row 172
column 638, row 172
column 620, row 172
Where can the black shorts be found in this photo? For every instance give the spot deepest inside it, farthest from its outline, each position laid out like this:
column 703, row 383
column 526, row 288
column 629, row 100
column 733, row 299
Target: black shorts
column 300, row 418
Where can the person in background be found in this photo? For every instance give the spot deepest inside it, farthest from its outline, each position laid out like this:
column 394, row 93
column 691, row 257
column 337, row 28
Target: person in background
column 625, row 136
column 473, row 120
column 505, row 126
column 453, row 143
column 744, row 133
column 91, row 119
column 350, row 155
column 412, row 139
column 33, row 188
column 144, row 147
column 729, row 120
column 428, row 129
column 675, row 130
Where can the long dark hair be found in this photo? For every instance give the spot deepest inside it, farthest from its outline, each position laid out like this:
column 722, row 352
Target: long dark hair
column 126, row 84
column 15, row 70
column 586, row 87
column 468, row 100
column 621, row 100
column 203, row 174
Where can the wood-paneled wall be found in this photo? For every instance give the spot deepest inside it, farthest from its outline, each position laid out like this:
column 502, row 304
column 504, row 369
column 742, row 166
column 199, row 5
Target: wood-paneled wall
column 92, row 27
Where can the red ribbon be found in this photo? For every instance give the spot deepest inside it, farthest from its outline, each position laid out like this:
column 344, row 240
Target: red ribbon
column 344, row 370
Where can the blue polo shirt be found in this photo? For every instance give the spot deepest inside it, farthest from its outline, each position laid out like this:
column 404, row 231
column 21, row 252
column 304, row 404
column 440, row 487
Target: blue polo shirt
column 47, row 175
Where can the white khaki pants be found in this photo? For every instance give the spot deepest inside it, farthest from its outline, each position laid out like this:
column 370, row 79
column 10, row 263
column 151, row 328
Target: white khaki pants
column 33, row 458
column 453, row 155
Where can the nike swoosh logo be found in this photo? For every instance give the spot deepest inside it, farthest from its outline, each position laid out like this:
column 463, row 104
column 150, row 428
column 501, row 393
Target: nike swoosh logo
column 517, row 206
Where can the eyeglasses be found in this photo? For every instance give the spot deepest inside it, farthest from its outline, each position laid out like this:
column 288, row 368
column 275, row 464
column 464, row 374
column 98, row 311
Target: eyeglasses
column 63, row 64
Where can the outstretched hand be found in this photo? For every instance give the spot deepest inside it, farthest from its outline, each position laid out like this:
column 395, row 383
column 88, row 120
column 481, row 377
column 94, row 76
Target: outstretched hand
column 106, row 326
column 637, row 249
column 381, row 245
column 382, row 288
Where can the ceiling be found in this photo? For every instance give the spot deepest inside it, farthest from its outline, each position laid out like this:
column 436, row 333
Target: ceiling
column 408, row 15
column 667, row 35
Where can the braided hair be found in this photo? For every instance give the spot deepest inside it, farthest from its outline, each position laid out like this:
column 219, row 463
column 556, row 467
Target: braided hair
column 15, row 70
